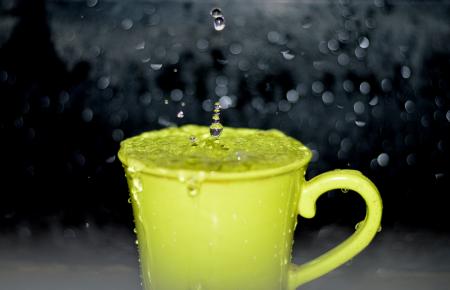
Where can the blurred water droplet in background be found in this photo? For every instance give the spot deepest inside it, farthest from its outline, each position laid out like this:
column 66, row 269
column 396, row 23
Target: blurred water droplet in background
column 383, row 159
column 156, row 66
column 363, row 42
column 406, row 72
column 91, row 3
column 287, row 55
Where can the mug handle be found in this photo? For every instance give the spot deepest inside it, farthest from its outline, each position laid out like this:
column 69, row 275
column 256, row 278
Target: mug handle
column 311, row 191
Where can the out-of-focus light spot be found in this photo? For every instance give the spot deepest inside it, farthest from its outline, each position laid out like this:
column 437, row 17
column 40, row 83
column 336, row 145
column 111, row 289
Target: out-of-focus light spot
column 359, row 107
column 91, row 3
column 406, row 72
column 87, row 114
column 411, row 159
column 176, row 95
column 117, row 135
column 364, row 88
column 235, row 48
column 284, row 106
column 156, row 66
column 363, row 42
column 360, row 52
column 287, row 55
column 202, row 44
column 360, row 123
column 207, row 105
column 343, row 59
column 374, row 101
column 317, row 87
column 386, row 85
column 127, row 23
column 410, row 106
column 333, row 45
column 348, row 86
column 103, row 82
column 327, row 97
column 292, row 96
column 383, row 159
column 225, row 102
column 221, row 81
column 140, row 45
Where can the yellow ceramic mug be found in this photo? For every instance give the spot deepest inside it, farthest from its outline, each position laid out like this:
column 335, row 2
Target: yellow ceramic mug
column 234, row 230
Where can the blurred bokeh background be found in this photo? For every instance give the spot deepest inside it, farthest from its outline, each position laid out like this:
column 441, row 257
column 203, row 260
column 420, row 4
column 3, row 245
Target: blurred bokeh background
column 364, row 84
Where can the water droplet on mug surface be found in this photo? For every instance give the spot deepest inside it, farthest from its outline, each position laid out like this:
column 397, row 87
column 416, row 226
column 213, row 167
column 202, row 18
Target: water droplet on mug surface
column 359, row 225
column 219, row 23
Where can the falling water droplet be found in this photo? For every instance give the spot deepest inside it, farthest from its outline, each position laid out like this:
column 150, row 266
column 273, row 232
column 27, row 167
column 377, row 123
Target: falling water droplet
column 180, row 115
column 219, row 23
column 216, row 12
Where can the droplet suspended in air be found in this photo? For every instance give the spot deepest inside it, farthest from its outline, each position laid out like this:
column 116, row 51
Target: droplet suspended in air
column 216, row 12
column 180, row 115
column 219, row 23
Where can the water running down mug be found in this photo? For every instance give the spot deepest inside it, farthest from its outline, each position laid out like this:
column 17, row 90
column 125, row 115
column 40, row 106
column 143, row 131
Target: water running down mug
column 230, row 230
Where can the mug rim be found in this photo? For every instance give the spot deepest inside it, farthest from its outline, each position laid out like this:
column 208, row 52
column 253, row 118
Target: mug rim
column 217, row 175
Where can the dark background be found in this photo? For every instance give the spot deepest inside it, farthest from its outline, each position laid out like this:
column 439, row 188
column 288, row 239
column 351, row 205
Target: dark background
column 364, row 84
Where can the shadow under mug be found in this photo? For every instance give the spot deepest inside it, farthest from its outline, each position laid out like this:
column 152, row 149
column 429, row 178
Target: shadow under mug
column 229, row 231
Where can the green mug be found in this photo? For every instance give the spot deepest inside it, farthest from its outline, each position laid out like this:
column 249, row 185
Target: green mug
column 228, row 230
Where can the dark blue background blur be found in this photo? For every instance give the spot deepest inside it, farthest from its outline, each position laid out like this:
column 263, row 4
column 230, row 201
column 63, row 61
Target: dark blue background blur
column 362, row 83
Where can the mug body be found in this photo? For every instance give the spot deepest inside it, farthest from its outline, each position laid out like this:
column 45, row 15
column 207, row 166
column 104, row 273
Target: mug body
column 217, row 234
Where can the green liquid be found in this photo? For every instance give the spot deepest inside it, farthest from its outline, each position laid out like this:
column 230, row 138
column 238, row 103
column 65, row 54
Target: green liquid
column 191, row 147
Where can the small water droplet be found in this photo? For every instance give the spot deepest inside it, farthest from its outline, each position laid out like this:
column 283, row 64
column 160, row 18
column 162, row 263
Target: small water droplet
column 380, row 228
column 135, row 230
column 180, row 115
column 344, row 190
column 136, row 242
column 129, row 200
column 216, row 12
column 166, row 102
column 219, row 23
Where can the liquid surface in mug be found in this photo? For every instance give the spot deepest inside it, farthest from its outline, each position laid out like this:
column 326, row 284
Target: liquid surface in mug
column 192, row 147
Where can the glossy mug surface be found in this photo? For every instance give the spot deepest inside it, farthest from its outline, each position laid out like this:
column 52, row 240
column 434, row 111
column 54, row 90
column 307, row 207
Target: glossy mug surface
column 223, row 229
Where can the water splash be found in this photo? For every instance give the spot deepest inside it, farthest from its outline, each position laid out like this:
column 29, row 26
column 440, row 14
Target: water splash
column 216, row 127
